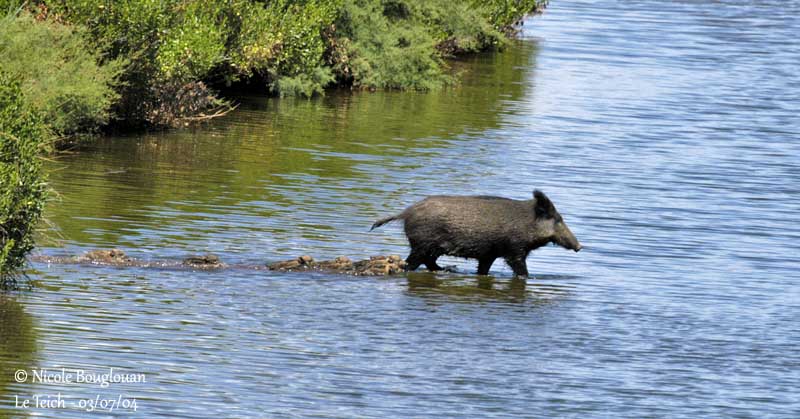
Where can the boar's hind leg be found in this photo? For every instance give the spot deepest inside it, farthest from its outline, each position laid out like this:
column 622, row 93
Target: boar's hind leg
column 484, row 265
column 517, row 264
column 413, row 261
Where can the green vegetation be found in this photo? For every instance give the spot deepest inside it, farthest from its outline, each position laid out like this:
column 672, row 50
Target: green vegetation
column 176, row 48
column 388, row 45
column 22, row 183
column 85, row 63
column 504, row 14
column 59, row 76
column 401, row 44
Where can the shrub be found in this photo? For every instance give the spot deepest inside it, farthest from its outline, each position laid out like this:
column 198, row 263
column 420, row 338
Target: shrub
column 385, row 46
column 59, row 74
column 293, row 46
column 504, row 14
column 400, row 44
column 174, row 42
column 282, row 42
column 304, row 84
column 22, row 183
column 458, row 26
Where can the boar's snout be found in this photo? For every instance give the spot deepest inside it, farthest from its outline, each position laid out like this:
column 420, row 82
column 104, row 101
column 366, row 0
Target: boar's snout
column 566, row 239
column 574, row 245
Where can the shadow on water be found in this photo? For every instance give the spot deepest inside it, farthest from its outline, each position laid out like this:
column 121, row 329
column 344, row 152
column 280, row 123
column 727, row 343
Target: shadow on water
column 461, row 287
column 18, row 345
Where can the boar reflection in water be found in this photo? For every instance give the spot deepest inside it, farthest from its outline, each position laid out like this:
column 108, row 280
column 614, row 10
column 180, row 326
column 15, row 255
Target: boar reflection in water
column 483, row 228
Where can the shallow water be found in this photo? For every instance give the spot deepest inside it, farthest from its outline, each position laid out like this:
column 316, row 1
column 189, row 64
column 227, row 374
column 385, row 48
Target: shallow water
column 666, row 133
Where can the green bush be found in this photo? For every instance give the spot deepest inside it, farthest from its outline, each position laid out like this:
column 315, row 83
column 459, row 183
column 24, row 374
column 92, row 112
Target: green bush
column 457, row 26
column 59, row 74
column 295, row 47
column 401, row 44
column 22, row 183
column 173, row 42
column 195, row 46
column 10, row 6
column 304, row 84
column 367, row 43
column 504, row 14
column 282, row 42
column 386, row 47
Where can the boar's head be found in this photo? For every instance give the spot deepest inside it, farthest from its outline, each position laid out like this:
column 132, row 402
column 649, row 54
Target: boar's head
column 551, row 224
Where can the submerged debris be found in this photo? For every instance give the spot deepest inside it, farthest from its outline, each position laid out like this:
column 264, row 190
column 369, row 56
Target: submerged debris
column 207, row 261
column 301, row 263
column 380, row 265
column 340, row 263
column 105, row 256
column 374, row 266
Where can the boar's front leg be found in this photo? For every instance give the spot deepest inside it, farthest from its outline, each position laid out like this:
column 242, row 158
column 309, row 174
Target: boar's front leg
column 484, row 265
column 518, row 265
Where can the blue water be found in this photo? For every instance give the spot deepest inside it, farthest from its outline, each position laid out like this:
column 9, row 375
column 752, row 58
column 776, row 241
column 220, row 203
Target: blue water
column 666, row 133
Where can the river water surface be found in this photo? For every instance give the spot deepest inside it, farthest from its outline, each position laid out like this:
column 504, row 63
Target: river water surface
column 666, row 133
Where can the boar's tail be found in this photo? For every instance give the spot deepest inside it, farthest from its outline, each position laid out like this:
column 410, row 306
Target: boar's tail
column 383, row 221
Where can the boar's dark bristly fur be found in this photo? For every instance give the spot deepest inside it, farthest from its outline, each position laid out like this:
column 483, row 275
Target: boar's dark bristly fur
column 483, row 228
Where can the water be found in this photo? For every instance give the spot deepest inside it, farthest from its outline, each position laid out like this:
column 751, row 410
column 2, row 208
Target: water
column 666, row 133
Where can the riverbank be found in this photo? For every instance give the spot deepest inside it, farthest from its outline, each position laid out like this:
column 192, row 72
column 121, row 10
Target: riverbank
column 137, row 64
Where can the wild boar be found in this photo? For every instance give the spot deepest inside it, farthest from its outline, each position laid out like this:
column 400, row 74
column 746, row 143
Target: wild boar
column 483, row 228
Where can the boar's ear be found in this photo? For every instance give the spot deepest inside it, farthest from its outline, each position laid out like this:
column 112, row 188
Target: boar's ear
column 543, row 207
